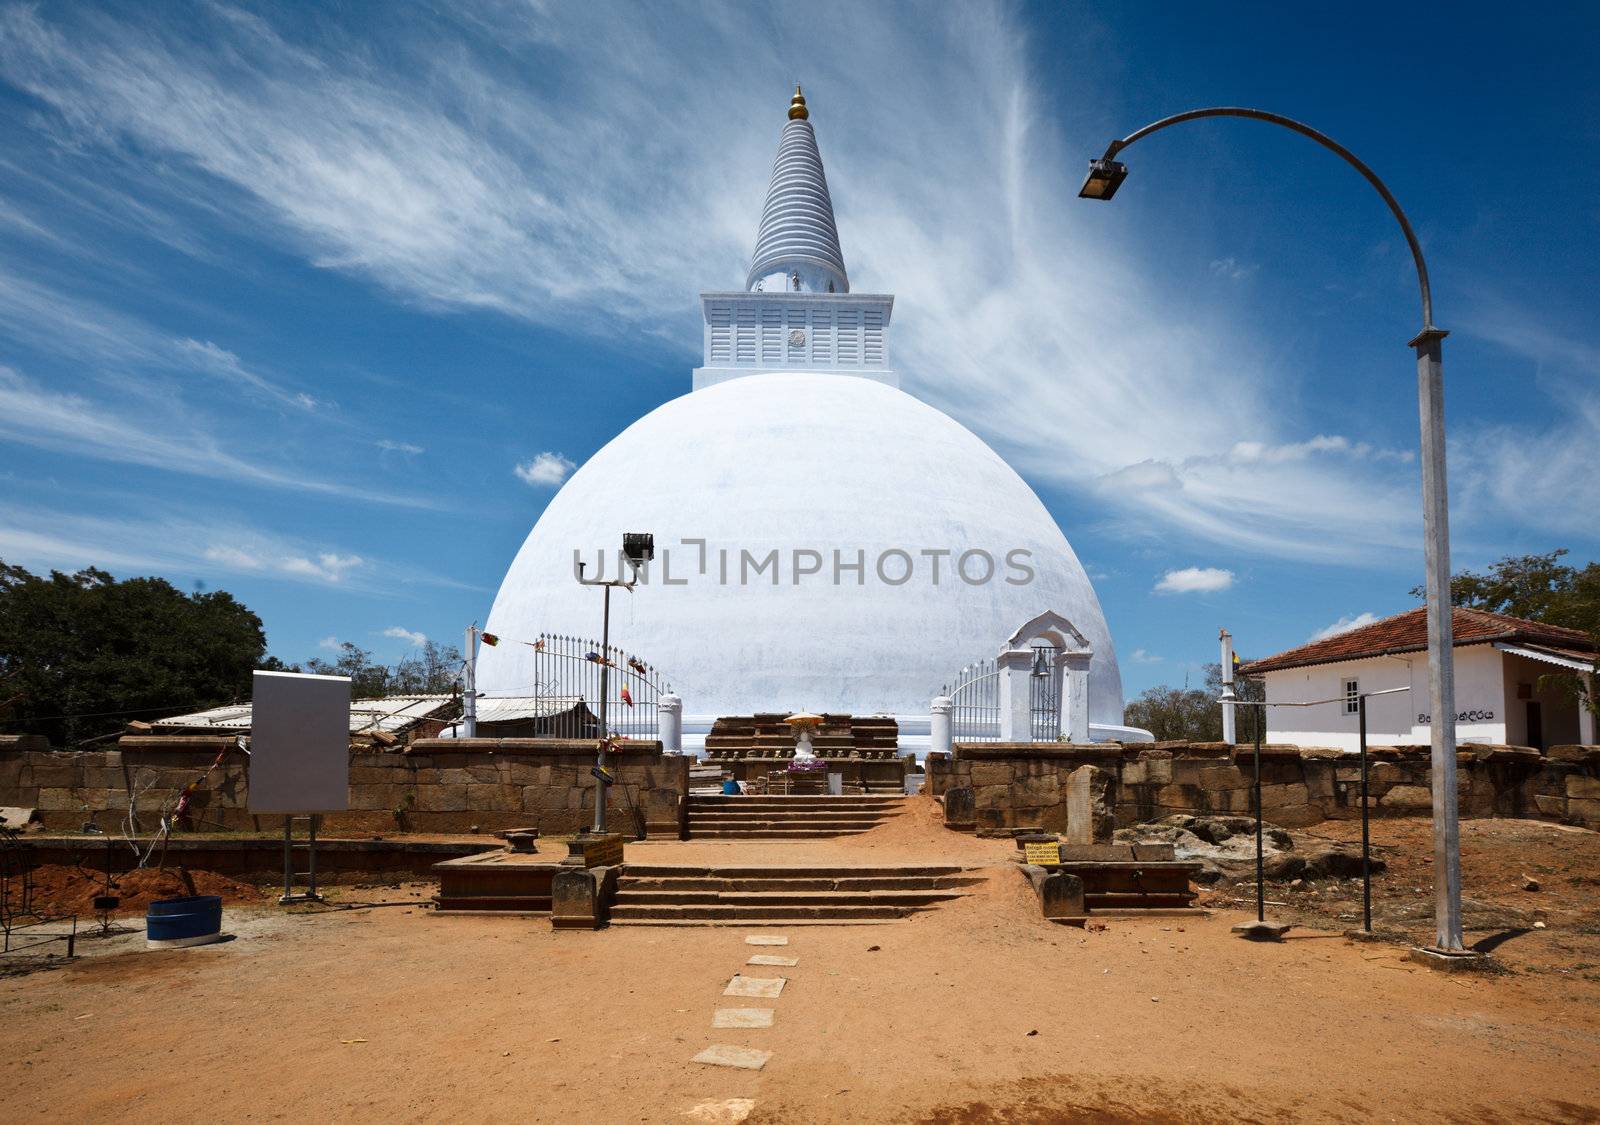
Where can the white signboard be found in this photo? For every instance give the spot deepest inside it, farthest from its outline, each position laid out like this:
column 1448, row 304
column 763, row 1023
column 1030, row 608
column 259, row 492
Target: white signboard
column 300, row 743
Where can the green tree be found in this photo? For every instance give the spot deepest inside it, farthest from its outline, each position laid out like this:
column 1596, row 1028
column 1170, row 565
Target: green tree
column 82, row 653
column 432, row 670
column 1191, row 714
column 1538, row 588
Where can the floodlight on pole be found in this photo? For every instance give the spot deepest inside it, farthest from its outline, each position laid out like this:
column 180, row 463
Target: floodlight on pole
column 1105, row 176
column 638, row 548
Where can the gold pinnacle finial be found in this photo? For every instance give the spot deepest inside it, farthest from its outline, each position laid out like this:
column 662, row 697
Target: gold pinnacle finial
column 797, row 105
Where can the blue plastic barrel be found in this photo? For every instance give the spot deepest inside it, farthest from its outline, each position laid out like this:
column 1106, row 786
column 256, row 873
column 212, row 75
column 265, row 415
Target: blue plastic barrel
column 190, row 920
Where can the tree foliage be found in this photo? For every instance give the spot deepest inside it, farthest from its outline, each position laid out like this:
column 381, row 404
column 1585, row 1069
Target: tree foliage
column 1191, row 714
column 433, row 669
column 1538, row 588
column 82, row 653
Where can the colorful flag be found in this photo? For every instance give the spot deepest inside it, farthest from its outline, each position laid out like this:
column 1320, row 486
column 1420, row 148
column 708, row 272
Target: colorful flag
column 489, row 639
column 626, row 698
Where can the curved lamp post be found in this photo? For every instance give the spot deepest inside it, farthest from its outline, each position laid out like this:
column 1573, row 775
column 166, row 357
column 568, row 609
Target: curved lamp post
column 1105, row 176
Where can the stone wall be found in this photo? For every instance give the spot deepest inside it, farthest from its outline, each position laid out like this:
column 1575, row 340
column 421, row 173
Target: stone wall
column 434, row 785
column 1020, row 784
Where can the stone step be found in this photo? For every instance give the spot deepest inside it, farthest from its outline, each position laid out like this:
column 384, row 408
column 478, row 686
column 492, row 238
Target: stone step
column 777, row 871
column 803, row 800
column 680, row 897
column 720, row 912
column 1114, row 901
column 805, row 881
column 756, row 832
column 698, row 821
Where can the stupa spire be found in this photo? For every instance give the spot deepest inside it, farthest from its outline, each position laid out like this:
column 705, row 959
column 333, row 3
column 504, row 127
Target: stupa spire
column 797, row 247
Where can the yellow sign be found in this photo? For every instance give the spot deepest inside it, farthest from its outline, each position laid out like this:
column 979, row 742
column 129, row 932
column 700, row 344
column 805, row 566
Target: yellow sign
column 602, row 851
column 1042, row 853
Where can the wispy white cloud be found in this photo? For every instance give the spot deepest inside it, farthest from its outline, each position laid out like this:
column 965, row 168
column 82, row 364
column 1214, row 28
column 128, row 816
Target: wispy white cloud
column 1232, row 268
column 457, row 176
column 544, row 471
column 1195, row 580
column 184, row 545
column 221, row 362
column 406, row 447
column 75, row 424
column 411, row 637
column 1140, row 656
column 331, row 643
column 1343, row 625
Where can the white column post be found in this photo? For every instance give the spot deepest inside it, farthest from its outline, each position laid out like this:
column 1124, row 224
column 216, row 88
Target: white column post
column 670, row 709
column 1229, row 731
column 940, row 733
column 1076, row 696
column 469, row 686
column 1016, row 702
column 1586, row 715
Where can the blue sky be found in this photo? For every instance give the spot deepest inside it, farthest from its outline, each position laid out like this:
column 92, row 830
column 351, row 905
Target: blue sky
column 289, row 294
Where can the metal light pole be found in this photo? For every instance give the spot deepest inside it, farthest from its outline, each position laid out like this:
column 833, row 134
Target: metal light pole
column 638, row 549
column 1105, row 176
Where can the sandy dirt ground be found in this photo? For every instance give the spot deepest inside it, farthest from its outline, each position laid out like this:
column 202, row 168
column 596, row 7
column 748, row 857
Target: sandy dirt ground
column 979, row 1011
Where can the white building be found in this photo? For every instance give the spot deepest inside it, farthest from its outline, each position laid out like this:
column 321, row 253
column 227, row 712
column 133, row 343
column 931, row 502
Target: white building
column 1505, row 670
column 824, row 541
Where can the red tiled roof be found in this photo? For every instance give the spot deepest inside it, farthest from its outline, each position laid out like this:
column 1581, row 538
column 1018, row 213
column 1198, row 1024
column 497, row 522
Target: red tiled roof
column 1408, row 632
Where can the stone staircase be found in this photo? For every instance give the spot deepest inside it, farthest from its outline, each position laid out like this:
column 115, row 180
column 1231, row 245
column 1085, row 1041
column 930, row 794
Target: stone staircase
column 752, row 896
column 788, row 817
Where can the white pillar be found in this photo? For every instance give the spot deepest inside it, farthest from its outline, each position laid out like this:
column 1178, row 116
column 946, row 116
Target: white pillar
column 469, row 686
column 1229, row 731
column 1075, row 699
column 941, row 738
column 1016, row 702
column 670, row 709
column 1586, row 716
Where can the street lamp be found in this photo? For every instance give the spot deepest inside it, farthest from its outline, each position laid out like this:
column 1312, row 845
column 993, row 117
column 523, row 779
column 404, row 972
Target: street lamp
column 638, row 548
column 1105, row 176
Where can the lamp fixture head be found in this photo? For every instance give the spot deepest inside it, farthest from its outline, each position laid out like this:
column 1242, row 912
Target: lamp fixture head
column 1105, row 177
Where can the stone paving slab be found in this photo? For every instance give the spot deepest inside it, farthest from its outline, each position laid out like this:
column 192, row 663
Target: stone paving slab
column 766, row 939
column 771, row 959
column 766, row 987
column 743, row 1058
column 742, row 1017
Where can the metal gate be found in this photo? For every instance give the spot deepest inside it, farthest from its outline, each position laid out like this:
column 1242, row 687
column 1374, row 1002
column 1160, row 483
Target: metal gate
column 975, row 700
column 566, row 691
column 975, row 703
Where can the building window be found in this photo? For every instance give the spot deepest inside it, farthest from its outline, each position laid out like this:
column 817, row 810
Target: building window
column 1352, row 697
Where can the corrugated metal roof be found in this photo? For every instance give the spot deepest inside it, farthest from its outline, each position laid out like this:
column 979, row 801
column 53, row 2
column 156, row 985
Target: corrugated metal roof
column 510, row 708
column 393, row 714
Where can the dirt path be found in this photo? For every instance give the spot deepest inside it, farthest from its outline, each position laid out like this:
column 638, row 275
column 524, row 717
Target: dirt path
column 977, row 1012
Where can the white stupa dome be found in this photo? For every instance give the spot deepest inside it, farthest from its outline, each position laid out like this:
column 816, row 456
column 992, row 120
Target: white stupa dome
column 824, row 541
column 800, row 462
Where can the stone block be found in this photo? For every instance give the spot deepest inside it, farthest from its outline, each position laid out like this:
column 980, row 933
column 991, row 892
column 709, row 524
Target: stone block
column 1280, row 796
column 58, row 799
column 1041, row 790
column 376, row 798
column 1584, row 810
column 1061, row 895
column 1587, row 788
column 1551, row 806
column 1384, row 774
column 991, row 773
column 1295, row 816
column 959, row 807
column 1408, row 798
column 441, row 798
column 458, row 776
column 1177, row 797
column 1223, row 777
column 52, row 775
column 493, row 798
column 993, row 797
